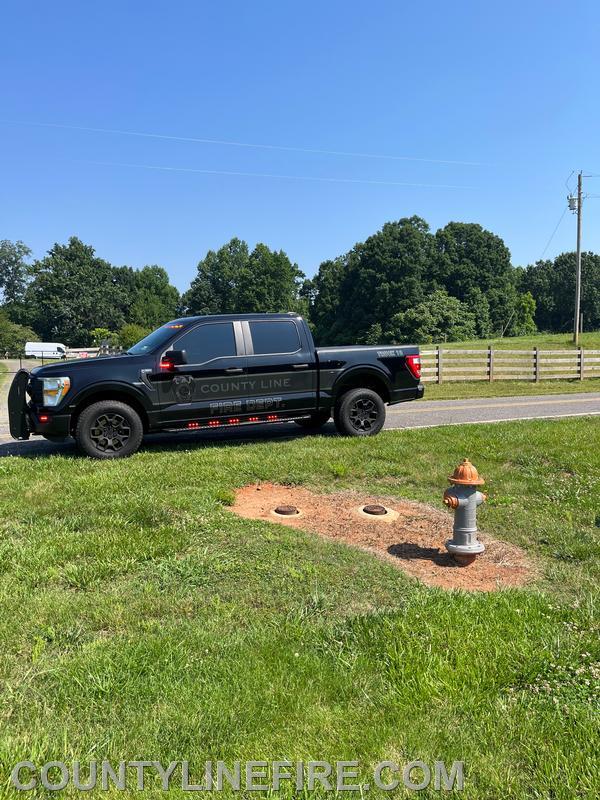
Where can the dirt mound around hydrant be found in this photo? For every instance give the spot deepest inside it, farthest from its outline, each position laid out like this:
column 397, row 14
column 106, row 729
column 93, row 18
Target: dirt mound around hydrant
column 411, row 536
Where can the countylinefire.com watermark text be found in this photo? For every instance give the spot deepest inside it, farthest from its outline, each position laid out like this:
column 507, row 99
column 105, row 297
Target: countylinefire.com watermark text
column 336, row 776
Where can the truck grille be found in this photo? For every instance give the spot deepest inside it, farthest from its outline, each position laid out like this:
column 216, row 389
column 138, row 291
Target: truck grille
column 35, row 391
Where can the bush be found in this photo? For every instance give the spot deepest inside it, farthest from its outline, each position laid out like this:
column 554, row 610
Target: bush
column 99, row 335
column 438, row 317
column 130, row 334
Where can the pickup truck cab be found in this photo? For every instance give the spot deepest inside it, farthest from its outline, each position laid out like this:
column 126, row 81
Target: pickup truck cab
column 213, row 372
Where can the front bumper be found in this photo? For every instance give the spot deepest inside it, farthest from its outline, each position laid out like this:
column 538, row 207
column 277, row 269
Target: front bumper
column 47, row 424
column 26, row 418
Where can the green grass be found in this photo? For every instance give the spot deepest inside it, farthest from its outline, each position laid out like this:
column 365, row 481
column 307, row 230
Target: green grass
column 140, row 619
column 458, row 390
column 547, row 341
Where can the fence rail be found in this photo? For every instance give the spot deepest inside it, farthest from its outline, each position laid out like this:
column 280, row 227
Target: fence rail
column 443, row 364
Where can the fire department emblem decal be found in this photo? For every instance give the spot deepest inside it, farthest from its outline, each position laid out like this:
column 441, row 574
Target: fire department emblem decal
column 183, row 386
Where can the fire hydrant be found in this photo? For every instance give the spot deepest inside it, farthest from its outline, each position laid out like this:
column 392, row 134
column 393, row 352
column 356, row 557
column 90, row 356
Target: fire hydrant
column 463, row 497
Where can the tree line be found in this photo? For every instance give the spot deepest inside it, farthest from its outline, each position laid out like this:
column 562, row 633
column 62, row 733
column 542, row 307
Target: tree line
column 403, row 283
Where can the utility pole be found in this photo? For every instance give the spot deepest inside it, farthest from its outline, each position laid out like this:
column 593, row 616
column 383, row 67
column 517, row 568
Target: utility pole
column 578, row 268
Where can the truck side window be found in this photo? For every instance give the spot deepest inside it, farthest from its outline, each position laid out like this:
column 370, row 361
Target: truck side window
column 207, row 342
column 275, row 336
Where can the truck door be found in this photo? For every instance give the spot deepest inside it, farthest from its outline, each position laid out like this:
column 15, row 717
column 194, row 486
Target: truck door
column 281, row 366
column 213, row 381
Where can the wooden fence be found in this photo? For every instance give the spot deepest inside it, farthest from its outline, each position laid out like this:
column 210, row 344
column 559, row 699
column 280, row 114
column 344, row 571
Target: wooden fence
column 443, row 364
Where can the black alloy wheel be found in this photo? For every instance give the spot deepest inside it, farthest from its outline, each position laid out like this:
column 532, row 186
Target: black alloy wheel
column 110, row 433
column 109, row 429
column 360, row 412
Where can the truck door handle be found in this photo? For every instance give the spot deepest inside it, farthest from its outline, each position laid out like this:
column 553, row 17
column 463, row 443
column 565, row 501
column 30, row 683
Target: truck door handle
column 234, row 370
column 299, row 366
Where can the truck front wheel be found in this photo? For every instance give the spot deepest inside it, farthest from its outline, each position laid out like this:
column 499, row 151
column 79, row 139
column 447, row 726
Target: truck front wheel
column 109, row 429
column 359, row 412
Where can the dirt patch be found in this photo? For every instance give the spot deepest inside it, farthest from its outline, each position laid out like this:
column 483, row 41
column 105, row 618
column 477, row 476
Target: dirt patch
column 412, row 538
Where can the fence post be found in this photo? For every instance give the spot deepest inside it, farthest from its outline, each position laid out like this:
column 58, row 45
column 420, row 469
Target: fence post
column 580, row 364
column 536, row 364
column 438, row 359
column 490, row 364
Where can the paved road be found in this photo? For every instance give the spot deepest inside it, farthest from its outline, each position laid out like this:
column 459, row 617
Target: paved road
column 422, row 414
column 429, row 413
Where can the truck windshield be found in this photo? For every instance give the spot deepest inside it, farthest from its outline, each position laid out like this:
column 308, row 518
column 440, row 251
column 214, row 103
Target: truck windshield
column 155, row 339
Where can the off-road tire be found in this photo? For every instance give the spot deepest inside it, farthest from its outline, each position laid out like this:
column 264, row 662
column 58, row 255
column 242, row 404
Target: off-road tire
column 109, row 429
column 359, row 412
column 315, row 421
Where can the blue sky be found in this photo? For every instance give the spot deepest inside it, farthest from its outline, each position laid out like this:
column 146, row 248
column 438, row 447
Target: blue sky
column 512, row 88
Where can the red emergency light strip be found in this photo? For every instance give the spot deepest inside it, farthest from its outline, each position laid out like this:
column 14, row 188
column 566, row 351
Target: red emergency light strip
column 214, row 423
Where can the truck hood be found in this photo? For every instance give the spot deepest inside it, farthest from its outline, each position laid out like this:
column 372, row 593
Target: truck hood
column 79, row 365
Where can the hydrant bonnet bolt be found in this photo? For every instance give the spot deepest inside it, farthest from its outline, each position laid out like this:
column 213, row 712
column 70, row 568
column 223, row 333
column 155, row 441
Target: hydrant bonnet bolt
column 463, row 497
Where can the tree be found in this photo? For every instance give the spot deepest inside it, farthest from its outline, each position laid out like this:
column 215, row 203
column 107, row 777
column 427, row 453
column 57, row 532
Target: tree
column 233, row 280
column 326, row 297
column 479, row 306
column 13, row 336
column 524, row 319
column 73, row 291
column 386, row 274
column 269, row 282
column 14, row 270
column 214, row 289
column 154, row 300
column 469, row 258
column 552, row 285
column 436, row 318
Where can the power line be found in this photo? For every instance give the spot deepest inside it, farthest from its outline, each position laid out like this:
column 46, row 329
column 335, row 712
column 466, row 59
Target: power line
column 554, row 232
column 230, row 143
column 271, row 175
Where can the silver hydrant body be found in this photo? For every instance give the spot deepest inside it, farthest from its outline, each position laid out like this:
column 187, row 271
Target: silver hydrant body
column 464, row 498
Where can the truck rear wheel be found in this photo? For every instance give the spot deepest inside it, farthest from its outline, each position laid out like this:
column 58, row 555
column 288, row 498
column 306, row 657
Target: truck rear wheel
column 109, row 429
column 315, row 421
column 359, row 412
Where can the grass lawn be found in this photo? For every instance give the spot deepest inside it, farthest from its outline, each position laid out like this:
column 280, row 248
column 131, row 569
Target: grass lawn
column 140, row 619
column 457, row 390
column 546, row 341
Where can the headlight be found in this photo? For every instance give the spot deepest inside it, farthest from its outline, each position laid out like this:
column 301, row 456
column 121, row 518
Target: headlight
column 55, row 389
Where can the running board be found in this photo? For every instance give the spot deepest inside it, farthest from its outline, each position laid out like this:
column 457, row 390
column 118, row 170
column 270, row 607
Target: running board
column 234, row 422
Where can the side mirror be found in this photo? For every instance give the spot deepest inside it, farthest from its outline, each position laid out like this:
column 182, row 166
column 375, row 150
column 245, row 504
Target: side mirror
column 173, row 358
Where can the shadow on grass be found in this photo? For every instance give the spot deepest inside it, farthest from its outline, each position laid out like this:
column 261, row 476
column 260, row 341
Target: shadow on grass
column 410, row 551
column 159, row 442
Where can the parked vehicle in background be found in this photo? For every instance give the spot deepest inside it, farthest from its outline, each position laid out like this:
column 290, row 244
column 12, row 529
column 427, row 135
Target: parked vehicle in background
column 45, row 350
column 213, row 372
column 82, row 352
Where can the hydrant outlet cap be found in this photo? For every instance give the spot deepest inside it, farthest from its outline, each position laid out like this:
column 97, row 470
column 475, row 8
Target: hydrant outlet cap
column 466, row 474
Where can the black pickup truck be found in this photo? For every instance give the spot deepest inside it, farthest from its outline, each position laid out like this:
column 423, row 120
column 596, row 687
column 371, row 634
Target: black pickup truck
column 212, row 372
